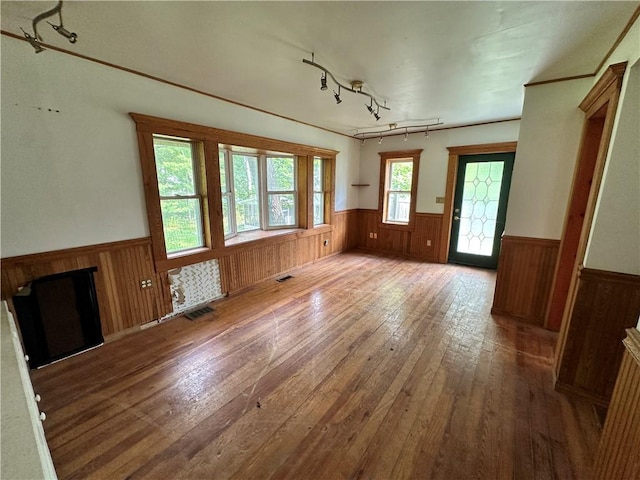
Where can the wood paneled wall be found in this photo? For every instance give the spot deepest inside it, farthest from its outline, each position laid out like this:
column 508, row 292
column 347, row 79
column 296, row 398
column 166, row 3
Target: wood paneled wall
column 410, row 243
column 246, row 264
column 525, row 275
column 121, row 267
column 606, row 305
column 618, row 455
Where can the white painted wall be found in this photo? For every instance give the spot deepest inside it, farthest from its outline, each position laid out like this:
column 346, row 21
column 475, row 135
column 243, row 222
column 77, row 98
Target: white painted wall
column 550, row 132
column 70, row 167
column 614, row 243
column 434, row 160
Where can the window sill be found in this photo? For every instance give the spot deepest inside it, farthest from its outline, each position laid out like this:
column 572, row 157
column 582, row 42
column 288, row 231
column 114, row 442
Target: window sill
column 253, row 235
column 396, row 226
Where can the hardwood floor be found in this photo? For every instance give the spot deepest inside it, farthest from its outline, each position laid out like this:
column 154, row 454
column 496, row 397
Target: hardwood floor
column 358, row 367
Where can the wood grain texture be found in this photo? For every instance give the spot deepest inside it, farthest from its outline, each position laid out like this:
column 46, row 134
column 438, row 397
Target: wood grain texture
column 524, row 277
column 606, row 305
column 618, row 455
column 121, row 266
column 412, row 243
column 245, row 264
column 359, row 367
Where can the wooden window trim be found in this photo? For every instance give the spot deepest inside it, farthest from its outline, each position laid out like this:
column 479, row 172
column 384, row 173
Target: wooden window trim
column 210, row 138
column 414, row 156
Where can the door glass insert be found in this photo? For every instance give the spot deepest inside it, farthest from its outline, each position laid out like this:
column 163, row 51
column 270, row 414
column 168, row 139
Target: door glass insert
column 479, row 210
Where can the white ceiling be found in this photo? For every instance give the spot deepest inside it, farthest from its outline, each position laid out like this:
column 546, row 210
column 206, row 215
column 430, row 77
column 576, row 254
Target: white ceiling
column 462, row 62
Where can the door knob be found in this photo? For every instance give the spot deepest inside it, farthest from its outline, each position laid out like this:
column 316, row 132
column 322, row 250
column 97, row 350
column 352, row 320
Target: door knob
column 456, row 218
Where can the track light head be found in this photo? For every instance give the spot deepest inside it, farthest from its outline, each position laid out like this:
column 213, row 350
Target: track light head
column 72, row 37
column 337, row 96
column 323, row 81
column 380, row 140
column 370, row 108
column 34, row 42
column 375, row 114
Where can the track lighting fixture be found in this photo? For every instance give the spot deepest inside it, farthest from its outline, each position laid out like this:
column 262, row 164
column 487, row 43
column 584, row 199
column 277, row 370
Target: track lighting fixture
column 394, row 129
column 356, row 87
column 337, row 95
column 36, row 39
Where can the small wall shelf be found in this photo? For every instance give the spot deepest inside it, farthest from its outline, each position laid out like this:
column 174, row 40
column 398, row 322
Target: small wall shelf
column 360, row 184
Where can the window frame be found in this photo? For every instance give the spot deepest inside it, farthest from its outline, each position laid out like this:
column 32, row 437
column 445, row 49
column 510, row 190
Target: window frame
column 211, row 140
column 320, row 192
column 265, row 192
column 196, row 159
column 386, row 160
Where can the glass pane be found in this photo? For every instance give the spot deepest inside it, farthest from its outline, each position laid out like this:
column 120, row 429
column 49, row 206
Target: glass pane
column 400, row 176
column 223, row 171
column 226, row 215
column 398, row 207
column 245, row 185
column 317, row 175
column 282, row 209
column 318, row 208
column 182, row 223
column 482, row 183
column 174, row 166
column 280, row 174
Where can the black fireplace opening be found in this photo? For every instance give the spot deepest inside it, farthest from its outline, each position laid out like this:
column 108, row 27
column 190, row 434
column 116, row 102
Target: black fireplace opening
column 58, row 316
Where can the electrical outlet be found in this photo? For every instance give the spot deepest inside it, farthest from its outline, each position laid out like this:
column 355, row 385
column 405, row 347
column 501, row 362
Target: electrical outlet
column 146, row 283
column 439, row 199
column 370, row 234
column 326, row 242
column 428, row 243
column 375, row 235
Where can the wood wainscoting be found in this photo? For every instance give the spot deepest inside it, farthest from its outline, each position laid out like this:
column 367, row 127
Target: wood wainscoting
column 246, row 264
column 121, row 267
column 403, row 242
column 524, row 278
column 618, row 454
column 606, row 304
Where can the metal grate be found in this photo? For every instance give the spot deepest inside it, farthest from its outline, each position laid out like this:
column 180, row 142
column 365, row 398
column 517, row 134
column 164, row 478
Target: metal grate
column 193, row 314
column 282, row 279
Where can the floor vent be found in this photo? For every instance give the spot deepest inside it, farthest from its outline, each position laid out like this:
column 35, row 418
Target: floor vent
column 282, row 279
column 193, row 314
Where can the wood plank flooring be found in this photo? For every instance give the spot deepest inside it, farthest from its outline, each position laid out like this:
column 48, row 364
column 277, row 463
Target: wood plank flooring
column 359, row 367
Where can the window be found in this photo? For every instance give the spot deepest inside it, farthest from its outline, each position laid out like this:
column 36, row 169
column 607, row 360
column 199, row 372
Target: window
column 180, row 200
column 203, row 185
column 398, row 186
column 398, row 191
column 258, row 191
column 318, row 191
column 281, row 192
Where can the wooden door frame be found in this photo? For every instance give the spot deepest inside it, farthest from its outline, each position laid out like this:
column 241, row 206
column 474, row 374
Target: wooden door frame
column 603, row 95
column 452, row 172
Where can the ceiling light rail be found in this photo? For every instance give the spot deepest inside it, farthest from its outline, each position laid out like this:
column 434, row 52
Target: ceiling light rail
column 355, row 87
column 36, row 39
column 394, row 129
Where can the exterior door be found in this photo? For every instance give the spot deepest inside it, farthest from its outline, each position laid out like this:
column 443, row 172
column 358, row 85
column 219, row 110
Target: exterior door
column 480, row 208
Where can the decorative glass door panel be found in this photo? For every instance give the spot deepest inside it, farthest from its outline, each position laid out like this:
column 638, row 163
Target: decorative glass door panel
column 480, row 207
